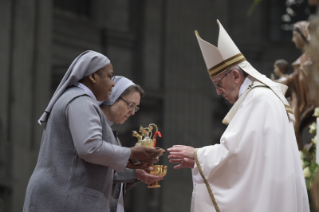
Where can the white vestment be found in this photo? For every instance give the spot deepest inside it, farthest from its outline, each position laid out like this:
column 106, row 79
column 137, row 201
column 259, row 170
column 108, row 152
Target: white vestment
column 256, row 167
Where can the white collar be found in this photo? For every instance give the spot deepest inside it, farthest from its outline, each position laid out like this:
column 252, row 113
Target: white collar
column 108, row 121
column 88, row 91
column 245, row 85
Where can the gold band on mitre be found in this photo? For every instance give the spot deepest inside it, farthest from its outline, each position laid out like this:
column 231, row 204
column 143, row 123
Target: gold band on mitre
column 220, row 67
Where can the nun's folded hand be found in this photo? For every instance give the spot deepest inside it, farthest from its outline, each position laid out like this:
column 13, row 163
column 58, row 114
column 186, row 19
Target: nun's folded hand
column 146, row 155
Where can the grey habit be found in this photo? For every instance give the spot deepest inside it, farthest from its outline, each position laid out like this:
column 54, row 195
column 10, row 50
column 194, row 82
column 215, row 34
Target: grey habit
column 78, row 152
column 125, row 179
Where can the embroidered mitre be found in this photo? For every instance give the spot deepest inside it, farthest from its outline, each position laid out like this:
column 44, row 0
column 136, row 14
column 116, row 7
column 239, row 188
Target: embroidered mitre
column 227, row 54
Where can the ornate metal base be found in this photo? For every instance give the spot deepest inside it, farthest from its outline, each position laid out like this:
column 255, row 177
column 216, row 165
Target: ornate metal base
column 154, row 185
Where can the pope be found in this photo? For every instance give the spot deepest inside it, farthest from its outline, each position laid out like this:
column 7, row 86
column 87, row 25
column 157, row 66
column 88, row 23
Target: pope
column 256, row 166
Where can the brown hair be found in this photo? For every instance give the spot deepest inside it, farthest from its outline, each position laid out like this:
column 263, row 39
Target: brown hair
column 283, row 66
column 133, row 88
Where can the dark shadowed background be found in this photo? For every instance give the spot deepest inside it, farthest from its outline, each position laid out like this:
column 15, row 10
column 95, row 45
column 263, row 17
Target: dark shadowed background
column 150, row 42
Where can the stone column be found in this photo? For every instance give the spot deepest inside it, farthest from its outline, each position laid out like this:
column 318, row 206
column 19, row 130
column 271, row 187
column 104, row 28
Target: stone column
column 5, row 145
column 25, row 42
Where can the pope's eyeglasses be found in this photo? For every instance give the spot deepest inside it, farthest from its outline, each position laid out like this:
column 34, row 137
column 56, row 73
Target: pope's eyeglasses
column 216, row 84
column 131, row 106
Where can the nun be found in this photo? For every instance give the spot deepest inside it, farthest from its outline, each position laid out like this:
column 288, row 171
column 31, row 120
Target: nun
column 122, row 104
column 78, row 153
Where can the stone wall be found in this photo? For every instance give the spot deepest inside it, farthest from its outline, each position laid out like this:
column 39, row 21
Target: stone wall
column 25, row 43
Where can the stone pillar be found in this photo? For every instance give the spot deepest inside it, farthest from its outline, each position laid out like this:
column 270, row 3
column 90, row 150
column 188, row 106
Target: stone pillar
column 25, row 41
column 5, row 145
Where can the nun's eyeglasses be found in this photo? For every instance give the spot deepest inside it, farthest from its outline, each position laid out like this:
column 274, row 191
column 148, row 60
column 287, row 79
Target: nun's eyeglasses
column 216, row 84
column 131, row 106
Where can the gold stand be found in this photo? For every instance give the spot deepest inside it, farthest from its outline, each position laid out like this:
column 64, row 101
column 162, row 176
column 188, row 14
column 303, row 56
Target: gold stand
column 160, row 170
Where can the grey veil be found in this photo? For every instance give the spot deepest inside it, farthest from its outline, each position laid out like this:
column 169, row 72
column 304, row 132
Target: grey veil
column 121, row 84
column 85, row 64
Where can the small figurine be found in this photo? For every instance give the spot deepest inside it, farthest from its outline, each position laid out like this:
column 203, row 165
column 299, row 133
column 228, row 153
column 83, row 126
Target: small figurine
column 135, row 134
column 281, row 68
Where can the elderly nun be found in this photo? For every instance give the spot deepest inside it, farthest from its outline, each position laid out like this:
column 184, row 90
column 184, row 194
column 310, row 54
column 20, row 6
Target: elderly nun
column 78, row 152
column 122, row 104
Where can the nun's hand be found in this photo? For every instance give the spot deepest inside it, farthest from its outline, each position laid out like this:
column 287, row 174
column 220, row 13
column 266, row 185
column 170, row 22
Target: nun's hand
column 132, row 165
column 146, row 177
column 146, row 155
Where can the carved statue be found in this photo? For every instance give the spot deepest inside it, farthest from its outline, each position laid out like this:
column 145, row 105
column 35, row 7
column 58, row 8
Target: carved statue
column 313, row 49
column 281, row 69
column 298, row 82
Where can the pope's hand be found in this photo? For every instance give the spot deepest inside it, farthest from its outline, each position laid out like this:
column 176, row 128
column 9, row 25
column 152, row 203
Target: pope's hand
column 146, row 155
column 146, row 177
column 183, row 162
column 182, row 151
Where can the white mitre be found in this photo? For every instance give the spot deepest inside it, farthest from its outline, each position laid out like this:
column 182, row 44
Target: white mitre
column 226, row 55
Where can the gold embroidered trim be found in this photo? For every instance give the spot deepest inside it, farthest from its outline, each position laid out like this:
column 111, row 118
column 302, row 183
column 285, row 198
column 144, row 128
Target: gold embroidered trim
column 250, row 87
column 224, row 122
column 206, row 182
column 234, row 60
column 288, row 109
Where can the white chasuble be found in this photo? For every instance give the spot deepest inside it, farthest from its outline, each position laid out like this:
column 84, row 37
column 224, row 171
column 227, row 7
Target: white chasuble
column 256, row 167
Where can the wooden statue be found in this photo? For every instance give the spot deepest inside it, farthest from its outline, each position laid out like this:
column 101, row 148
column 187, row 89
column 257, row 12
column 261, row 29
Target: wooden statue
column 281, row 69
column 313, row 49
column 298, row 82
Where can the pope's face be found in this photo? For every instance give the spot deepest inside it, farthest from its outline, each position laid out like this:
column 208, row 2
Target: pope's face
column 227, row 86
column 104, row 83
column 121, row 110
